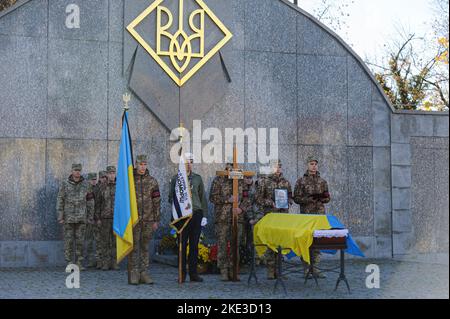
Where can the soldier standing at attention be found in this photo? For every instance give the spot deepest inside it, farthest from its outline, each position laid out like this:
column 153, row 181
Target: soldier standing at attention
column 91, row 225
column 311, row 193
column 71, row 208
column 193, row 229
column 221, row 195
column 265, row 198
column 148, row 206
column 250, row 214
column 103, row 179
column 106, row 210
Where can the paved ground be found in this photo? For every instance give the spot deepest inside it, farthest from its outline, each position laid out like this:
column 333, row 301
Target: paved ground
column 398, row 279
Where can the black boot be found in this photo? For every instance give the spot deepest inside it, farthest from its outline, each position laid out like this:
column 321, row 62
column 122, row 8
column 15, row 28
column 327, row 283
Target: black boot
column 195, row 277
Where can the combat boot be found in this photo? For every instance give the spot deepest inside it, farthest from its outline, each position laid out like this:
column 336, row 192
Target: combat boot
column 224, row 275
column 80, row 266
column 115, row 266
column 134, row 278
column 195, row 278
column 105, row 266
column 230, row 276
column 319, row 274
column 270, row 274
column 145, row 278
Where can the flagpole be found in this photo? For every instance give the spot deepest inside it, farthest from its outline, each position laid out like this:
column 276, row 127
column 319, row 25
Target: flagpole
column 180, row 231
column 126, row 98
column 180, row 235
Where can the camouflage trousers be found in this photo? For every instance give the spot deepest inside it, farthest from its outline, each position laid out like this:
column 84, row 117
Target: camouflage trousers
column 107, row 243
column 140, row 256
column 224, row 236
column 315, row 258
column 97, row 239
column 74, row 236
column 90, row 240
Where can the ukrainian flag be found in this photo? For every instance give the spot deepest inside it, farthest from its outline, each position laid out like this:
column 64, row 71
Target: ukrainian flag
column 125, row 206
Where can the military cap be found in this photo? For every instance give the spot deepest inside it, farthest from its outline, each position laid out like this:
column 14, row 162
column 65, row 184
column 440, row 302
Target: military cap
column 265, row 170
column 312, row 159
column 110, row 169
column 76, row 167
column 141, row 158
column 189, row 156
column 102, row 174
column 275, row 162
column 92, row 176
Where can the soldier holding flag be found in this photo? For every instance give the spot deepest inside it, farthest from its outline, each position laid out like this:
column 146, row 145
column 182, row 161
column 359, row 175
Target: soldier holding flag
column 148, row 207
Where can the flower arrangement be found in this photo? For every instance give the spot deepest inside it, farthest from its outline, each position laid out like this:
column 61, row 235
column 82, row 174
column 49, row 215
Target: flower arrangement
column 168, row 244
column 203, row 254
column 207, row 253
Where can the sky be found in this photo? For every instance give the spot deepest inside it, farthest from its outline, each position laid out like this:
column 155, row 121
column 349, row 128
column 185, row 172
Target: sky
column 373, row 22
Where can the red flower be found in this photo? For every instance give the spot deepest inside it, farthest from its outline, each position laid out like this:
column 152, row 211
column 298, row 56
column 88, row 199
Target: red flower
column 213, row 253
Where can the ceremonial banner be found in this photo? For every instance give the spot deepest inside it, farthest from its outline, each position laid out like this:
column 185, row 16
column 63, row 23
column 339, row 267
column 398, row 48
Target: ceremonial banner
column 182, row 202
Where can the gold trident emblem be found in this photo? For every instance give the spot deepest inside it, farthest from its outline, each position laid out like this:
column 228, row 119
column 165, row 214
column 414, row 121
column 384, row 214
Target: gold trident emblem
column 181, row 52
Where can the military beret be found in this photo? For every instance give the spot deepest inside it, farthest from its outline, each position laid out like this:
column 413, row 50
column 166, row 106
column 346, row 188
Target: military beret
column 110, row 169
column 76, row 167
column 311, row 159
column 102, row 174
column 92, row 176
column 141, row 158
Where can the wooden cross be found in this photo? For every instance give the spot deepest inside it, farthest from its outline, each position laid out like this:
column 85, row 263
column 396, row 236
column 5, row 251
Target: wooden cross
column 235, row 174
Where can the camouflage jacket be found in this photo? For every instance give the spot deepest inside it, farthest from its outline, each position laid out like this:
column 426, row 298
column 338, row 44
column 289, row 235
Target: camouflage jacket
column 148, row 197
column 311, row 193
column 97, row 192
column 265, row 193
column 107, row 197
column 253, row 212
column 221, row 191
column 90, row 204
column 71, row 202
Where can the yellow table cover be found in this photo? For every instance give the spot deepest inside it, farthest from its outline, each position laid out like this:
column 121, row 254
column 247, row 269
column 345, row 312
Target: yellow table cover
column 288, row 231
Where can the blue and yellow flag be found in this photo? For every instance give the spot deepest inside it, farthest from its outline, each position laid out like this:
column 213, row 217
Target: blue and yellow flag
column 125, row 206
column 294, row 232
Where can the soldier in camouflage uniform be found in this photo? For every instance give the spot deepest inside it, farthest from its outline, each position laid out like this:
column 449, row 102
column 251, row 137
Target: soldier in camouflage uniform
column 311, row 193
column 265, row 198
column 103, row 180
column 254, row 214
column 72, row 213
column 221, row 195
column 106, row 211
column 148, row 205
column 250, row 214
column 91, row 225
